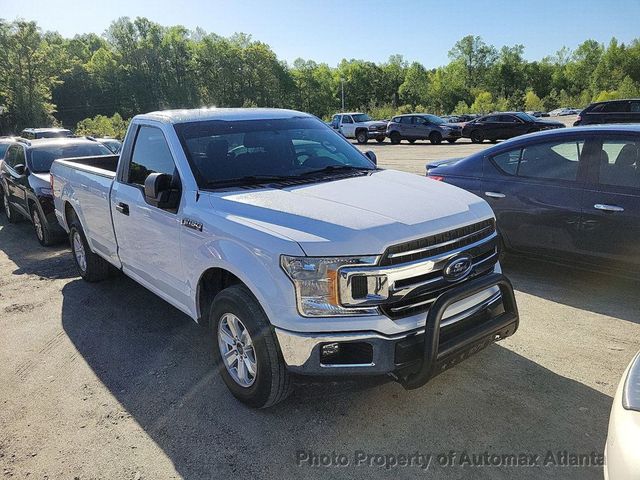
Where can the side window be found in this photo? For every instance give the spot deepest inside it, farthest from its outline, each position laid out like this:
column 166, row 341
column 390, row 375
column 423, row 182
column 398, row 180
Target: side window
column 10, row 158
column 635, row 107
column 347, row 119
column 616, row 107
column 620, row 162
column 493, row 118
column 508, row 119
column 335, row 121
column 151, row 154
column 406, row 120
column 395, row 119
column 20, row 157
column 420, row 121
column 554, row 160
column 508, row 161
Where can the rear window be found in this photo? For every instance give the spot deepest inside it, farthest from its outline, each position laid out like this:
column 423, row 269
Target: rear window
column 616, row 107
column 43, row 157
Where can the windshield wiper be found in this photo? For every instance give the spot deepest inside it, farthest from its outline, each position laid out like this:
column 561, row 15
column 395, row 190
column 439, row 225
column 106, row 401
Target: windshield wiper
column 336, row 168
column 249, row 180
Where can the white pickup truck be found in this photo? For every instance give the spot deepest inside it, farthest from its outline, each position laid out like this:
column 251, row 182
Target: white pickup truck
column 291, row 246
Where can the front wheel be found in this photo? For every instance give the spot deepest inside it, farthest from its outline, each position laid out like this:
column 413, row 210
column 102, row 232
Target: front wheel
column 435, row 138
column 9, row 211
column 395, row 138
column 452, row 140
column 380, row 139
column 246, row 349
column 40, row 226
column 361, row 136
column 476, row 137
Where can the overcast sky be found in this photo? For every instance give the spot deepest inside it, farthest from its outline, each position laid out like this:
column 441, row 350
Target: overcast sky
column 329, row 30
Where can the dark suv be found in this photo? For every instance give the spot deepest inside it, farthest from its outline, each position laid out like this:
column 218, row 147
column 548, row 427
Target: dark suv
column 613, row 111
column 422, row 126
column 25, row 180
column 503, row 125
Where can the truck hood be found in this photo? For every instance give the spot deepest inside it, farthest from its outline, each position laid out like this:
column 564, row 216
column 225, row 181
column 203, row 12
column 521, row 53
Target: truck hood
column 354, row 216
column 373, row 123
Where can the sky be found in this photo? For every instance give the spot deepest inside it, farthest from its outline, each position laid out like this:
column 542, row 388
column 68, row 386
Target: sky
column 330, row 30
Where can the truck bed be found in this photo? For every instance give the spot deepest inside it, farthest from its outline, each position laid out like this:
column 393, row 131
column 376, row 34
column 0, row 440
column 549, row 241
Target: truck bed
column 103, row 165
column 85, row 184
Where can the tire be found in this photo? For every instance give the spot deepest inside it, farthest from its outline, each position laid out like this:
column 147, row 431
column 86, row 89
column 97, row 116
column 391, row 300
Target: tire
column 493, row 140
column 395, row 138
column 271, row 382
column 452, row 140
column 380, row 139
column 476, row 137
column 362, row 137
column 41, row 228
column 94, row 268
column 435, row 138
column 412, row 141
column 9, row 211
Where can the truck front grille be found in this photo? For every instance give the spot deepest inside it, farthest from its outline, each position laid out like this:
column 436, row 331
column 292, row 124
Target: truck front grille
column 437, row 244
column 423, row 290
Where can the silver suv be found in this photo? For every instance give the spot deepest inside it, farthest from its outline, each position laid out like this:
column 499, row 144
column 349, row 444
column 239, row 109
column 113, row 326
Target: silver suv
column 422, row 126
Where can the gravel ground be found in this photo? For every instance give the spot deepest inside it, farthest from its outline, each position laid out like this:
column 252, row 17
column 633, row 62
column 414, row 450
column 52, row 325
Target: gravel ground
column 108, row 381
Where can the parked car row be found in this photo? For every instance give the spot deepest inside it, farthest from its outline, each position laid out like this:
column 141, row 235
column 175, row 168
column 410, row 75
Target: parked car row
column 410, row 127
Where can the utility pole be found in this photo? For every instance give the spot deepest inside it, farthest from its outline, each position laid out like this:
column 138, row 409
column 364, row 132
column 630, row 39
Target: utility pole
column 342, row 84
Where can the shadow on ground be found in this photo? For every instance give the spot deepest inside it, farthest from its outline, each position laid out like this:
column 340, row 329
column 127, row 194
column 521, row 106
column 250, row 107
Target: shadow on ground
column 158, row 365
column 597, row 292
column 18, row 241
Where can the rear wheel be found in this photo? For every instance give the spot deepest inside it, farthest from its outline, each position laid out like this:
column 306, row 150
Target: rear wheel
column 41, row 228
column 435, row 138
column 476, row 137
column 380, row 139
column 452, row 140
column 9, row 211
column 246, row 349
column 395, row 138
column 361, row 136
column 412, row 140
column 91, row 267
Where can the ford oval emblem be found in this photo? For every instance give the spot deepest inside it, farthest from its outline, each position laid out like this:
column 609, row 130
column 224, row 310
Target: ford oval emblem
column 457, row 268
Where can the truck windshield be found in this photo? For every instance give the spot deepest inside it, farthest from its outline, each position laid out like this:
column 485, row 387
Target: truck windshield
column 229, row 152
column 361, row 117
column 43, row 156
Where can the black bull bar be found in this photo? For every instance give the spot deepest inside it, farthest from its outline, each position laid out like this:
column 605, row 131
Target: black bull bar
column 438, row 358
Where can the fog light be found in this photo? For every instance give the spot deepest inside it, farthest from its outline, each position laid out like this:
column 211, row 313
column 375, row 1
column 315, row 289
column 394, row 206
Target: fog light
column 329, row 349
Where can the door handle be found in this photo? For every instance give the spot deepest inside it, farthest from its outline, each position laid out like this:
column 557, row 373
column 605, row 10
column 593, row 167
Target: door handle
column 495, row 194
column 123, row 208
column 608, row 208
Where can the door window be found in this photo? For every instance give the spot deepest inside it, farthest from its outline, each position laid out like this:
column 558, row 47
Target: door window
column 556, row 161
column 347, row 119
column 10, row 158
column 620, row 162
column 405, row 120
column 552, row 160
column 151, row 154
column 493, row 118
column 508, row 119
column 616, row 107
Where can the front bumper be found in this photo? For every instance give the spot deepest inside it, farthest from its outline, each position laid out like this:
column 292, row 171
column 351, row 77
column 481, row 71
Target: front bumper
column 371, row 353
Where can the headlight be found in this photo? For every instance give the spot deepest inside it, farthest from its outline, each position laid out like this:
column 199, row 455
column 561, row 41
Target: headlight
column 631, row 393
column 316, row 283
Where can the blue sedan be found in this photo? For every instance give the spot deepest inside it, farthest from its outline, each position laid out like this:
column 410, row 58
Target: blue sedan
column 570, row 194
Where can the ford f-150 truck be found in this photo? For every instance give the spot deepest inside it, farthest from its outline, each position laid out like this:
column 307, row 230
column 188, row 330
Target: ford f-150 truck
column 297, row 253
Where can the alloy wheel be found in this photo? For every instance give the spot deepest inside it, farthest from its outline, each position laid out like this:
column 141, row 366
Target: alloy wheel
column 79, row 252
column 37, row 225
column 236, row 350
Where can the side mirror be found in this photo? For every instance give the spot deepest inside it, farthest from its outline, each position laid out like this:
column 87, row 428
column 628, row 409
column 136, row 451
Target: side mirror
column 159, row 191
column 372, row 156
column 20, row 169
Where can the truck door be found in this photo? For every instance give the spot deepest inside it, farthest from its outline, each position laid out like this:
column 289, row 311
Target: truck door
column 16, row 182
column 347, row 127
column 148, row 236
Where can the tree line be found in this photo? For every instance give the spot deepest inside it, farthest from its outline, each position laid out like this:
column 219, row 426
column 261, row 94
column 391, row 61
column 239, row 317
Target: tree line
column 92, row 82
